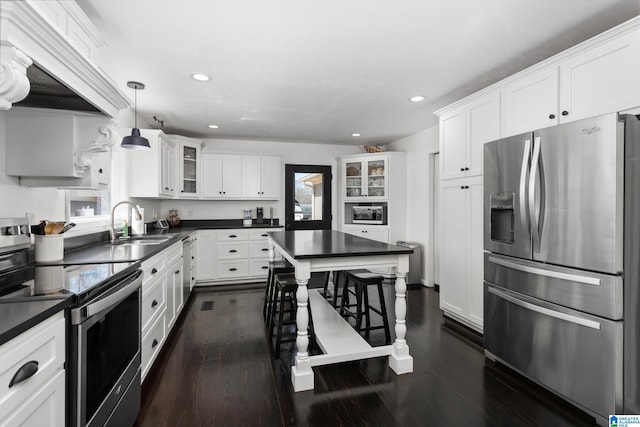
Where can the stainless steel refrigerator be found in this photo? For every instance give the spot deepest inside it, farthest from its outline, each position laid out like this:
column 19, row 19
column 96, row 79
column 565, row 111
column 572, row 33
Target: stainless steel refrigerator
column 562, row 260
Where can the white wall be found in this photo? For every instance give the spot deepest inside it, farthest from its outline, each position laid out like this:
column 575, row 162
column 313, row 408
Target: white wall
column 291, row 153
column 420, row 148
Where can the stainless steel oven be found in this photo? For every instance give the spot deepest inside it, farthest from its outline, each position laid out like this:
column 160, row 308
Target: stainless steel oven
column 368, row 214
column 105, row 356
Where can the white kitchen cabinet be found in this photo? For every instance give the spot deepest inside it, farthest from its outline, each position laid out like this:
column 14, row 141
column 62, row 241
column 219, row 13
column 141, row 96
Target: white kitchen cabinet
column 365, row 178
column 173, row 283
column 589, row 82
column 601, row 79
column 373, row 232
column 531, row 102
column 189, row 163
column 40, row 399
column 461, row 258
column 162, row 301
column 221, row 176
column 57, row 148
column 233, row 255
column 152, row 172
column 261, row 177
column 464, row 131
column 206, row 248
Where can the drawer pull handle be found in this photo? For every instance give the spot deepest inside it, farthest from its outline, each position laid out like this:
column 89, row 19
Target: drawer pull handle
column 233, row 236
column 265, row 249
column 264, row 235
column 233, row 269
column 264, row 267
column 154, row 343
column 154, row 303
column 154, row 270
column 233, row 251
column 25, row 372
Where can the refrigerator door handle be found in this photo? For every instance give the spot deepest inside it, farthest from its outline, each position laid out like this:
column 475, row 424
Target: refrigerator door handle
column 547, row 273
column 523, row 184
column 533, row 206
column 545, row 311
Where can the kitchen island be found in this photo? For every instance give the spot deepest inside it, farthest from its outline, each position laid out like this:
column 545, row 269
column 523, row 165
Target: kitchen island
column 328, row 250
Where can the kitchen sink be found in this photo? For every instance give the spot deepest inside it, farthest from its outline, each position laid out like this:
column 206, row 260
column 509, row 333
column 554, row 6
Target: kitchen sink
column 141, row 240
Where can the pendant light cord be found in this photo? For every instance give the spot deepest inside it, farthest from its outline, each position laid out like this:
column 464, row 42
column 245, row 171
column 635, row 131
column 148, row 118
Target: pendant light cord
column 135, row 106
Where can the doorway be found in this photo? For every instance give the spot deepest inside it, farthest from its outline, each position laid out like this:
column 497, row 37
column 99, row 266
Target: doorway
column 307, row 197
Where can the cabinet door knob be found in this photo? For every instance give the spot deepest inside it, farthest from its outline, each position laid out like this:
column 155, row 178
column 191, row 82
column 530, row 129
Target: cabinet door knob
column 154, row 303
column 565, row 113
column 224, row 192
column 462, row 187
column 154, row 270
column 552, row 116
column 461, row 169
column 466, row 168
column 100, row 170
column 177, row 272
column 154, row 343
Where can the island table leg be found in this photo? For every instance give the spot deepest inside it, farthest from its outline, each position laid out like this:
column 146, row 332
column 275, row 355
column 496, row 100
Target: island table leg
column 301, row 372
column 400, row 360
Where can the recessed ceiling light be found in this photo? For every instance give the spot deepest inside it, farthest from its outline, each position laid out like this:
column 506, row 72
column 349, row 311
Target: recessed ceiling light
column 355, row 134
column 213, row 126
column 416, row 98
column 200, row 77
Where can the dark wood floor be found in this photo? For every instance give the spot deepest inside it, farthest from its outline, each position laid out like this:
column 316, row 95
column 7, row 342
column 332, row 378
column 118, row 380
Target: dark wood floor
column 216, row 370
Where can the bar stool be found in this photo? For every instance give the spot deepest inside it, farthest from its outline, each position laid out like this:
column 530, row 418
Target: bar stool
column 275, row 267
column 361, row 280
column 285, row 292
column 339, row 276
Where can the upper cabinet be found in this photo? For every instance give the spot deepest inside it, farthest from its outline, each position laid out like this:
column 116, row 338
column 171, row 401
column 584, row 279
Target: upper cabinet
column 464, row 131
column 152, row 173
column 221, row 176
column 57, row 148
column 261, row 177
column 365, row 178
column 189, row 165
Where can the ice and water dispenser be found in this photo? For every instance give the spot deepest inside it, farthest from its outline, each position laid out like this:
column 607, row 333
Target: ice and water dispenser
column 502, row 217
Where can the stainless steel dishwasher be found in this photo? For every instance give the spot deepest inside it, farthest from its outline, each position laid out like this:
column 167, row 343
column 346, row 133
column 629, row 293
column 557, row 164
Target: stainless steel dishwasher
column 188, row 255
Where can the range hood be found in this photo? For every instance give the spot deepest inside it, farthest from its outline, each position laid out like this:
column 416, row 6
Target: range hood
column 47, row 92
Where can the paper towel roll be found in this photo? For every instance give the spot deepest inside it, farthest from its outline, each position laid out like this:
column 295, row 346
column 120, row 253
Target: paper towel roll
column 138, row 224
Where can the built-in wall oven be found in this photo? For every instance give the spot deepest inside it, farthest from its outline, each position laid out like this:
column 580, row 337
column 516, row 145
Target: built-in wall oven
column 105, row 356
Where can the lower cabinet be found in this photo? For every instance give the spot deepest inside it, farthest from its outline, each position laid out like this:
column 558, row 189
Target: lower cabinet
column 162, row 301
column 461, row 257
column 373, row 232
column 233, row 255
column 38, row 400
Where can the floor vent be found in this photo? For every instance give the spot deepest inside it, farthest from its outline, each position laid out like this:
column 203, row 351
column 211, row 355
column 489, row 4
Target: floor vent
column 206, row 305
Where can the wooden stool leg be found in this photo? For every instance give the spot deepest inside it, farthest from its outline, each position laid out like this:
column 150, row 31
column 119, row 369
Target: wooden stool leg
column 267, row 295
column 383, row 310
column 276, row 351
column 367, row 310
column 358, row 305
column 344, row 301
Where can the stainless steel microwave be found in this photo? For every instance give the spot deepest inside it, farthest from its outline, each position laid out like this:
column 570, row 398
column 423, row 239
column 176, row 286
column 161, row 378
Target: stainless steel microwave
column 368, row 215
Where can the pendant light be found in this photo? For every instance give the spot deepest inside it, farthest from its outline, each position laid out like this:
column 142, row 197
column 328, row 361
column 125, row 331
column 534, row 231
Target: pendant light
column 135, row 141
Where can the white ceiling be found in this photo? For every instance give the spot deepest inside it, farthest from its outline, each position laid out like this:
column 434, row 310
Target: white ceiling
column 295, row 70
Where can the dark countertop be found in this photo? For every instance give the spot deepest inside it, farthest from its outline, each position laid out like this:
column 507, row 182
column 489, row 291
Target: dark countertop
column 306, row 244
column 18, row 316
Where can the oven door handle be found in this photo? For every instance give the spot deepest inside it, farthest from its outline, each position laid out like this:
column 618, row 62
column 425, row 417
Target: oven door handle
column 106, row 302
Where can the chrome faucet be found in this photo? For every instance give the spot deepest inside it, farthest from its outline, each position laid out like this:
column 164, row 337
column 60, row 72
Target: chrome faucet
column 112, row 230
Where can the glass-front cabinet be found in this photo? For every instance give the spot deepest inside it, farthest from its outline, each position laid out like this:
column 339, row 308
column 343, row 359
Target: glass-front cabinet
column 365, row 178
column 189, row 169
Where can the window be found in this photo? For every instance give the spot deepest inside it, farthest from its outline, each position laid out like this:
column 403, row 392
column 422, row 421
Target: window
column 85, row 203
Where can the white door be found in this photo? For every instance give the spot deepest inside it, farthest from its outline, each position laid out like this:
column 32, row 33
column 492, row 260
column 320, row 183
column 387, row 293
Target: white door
column 251, row 174
column 483, row 125
column 270, row 174
column 211, row 175
column 232, row 176
column 453, row 143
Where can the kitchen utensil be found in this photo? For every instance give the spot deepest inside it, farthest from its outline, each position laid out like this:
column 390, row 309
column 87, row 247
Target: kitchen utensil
column 57, row 228
column 38, row 229
column 68, row 227
column 48, row 229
